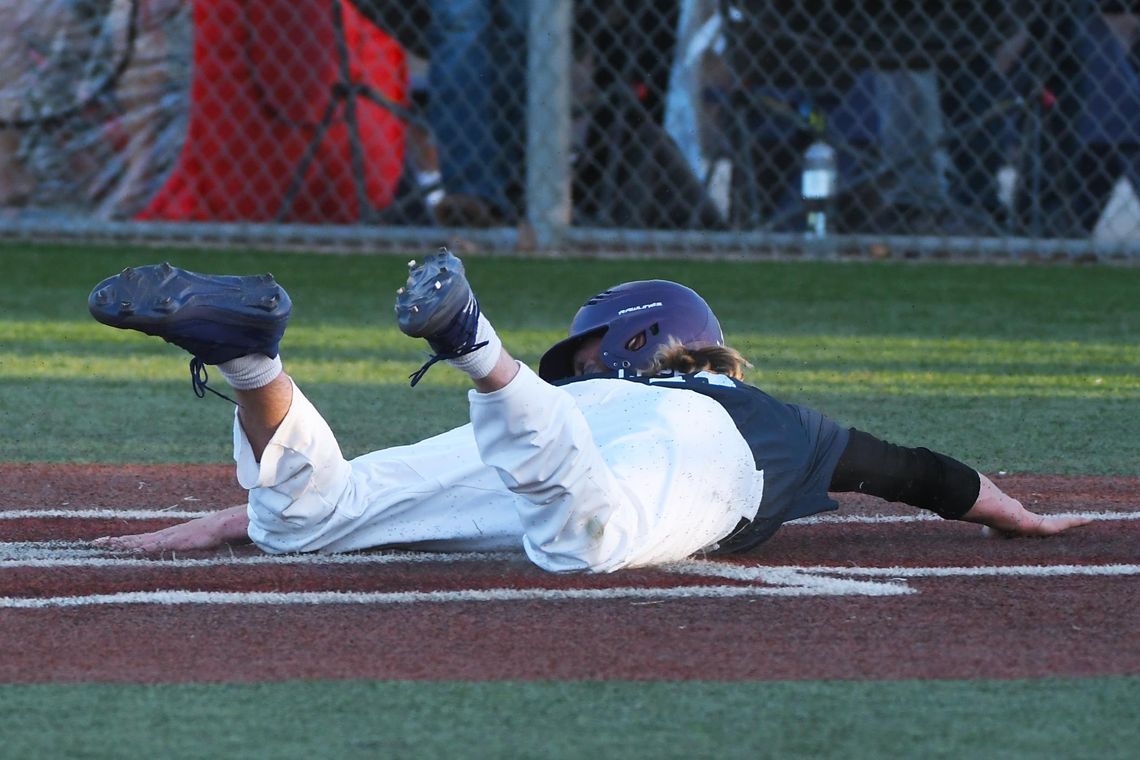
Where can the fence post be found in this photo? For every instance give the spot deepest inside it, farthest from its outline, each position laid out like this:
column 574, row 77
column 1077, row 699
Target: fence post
column 548, row 120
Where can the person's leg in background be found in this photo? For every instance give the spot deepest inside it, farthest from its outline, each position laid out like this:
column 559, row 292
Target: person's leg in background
column 910, row 139
column 980, row 107
column 1108, row 124
column 476, row 82
column 509, row 50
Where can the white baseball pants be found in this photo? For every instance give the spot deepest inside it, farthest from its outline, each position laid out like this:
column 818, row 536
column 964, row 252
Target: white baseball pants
column 597, row 475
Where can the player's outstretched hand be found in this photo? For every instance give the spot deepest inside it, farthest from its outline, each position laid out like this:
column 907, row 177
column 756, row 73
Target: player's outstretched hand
column 1005, row 517
column 1039, row 527
column 211, row 531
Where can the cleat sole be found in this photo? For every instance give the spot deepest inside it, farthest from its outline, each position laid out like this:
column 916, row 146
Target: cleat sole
column 206, row 312
column 435, row 292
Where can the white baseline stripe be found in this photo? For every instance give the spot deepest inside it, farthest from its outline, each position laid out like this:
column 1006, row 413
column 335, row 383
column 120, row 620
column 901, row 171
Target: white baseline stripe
column 782, row 581
column 413, row 597
column 80, row 554
column 159, row 514
column 827, row 519
column 1039, row 571
column 102, row 514
column 760, row 572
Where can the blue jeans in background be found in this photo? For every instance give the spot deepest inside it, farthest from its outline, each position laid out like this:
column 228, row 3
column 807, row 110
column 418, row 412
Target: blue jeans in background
column 477, row 98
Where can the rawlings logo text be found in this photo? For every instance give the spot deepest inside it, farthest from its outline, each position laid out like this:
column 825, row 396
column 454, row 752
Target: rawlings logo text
column 639, row 308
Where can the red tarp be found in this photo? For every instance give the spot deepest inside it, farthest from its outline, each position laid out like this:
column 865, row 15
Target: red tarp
column 263, row 75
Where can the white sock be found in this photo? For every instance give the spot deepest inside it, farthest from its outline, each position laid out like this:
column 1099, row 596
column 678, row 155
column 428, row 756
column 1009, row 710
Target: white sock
column 251, row 371
column 478, row 364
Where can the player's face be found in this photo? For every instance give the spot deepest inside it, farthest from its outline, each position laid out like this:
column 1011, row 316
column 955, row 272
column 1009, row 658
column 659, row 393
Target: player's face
column 588, row 357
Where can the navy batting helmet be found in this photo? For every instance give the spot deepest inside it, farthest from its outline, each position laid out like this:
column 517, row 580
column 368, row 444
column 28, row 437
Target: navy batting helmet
column 634, row 320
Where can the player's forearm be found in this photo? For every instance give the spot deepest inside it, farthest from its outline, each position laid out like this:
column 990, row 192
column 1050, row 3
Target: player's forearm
column 230, row 525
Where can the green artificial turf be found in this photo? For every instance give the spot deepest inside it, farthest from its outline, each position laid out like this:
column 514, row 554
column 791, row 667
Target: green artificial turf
column 1014, row 368
column 1053, row 718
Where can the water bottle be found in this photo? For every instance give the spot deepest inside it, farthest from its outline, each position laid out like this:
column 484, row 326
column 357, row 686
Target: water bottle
column 817, row 186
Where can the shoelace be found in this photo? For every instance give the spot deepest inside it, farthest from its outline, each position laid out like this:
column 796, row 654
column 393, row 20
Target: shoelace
column 435, row 358
column 199, row 378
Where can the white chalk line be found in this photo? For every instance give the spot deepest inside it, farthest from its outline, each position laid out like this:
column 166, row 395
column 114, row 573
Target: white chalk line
column 103, row 514
column 49, row 554
column 707, row 568
column 796, row 581
column 177, row 597
column 771, row 581
column 827, row 519
column 823, row 519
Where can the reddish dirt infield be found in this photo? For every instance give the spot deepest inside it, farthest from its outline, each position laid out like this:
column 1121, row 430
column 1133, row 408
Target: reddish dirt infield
column 940, row 622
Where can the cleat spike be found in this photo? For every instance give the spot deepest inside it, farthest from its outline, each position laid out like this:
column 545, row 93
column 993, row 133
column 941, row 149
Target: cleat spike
column 412, row 264
column 268, row 303
column 103, row 296
column 438, row 305
column 126, row 307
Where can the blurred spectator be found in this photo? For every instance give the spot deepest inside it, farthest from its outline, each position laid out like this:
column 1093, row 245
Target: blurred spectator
column 630, row 172
column 869, row 73
column 1077, row 65
column 908, row 169
column 477, row 108
column 982, row 106
column 1109, row 122
column 940, row 116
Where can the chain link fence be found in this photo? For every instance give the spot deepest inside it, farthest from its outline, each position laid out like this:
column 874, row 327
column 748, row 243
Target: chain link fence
column 972, row 129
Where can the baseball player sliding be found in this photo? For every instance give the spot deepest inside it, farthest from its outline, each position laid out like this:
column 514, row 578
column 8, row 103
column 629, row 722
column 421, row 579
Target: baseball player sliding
column 636, row 443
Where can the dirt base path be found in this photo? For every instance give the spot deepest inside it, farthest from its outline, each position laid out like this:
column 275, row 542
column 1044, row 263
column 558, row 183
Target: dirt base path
column 851, row 599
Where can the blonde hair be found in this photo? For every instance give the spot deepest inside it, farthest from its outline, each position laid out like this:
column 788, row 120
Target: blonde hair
column 674, row 356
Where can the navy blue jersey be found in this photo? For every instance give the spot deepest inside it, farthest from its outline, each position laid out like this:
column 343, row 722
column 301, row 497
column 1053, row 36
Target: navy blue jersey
column 796, row 448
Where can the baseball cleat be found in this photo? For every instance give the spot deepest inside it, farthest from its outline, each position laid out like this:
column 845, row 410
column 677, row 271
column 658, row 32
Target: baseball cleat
column 437, row 304
column 214, row 317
